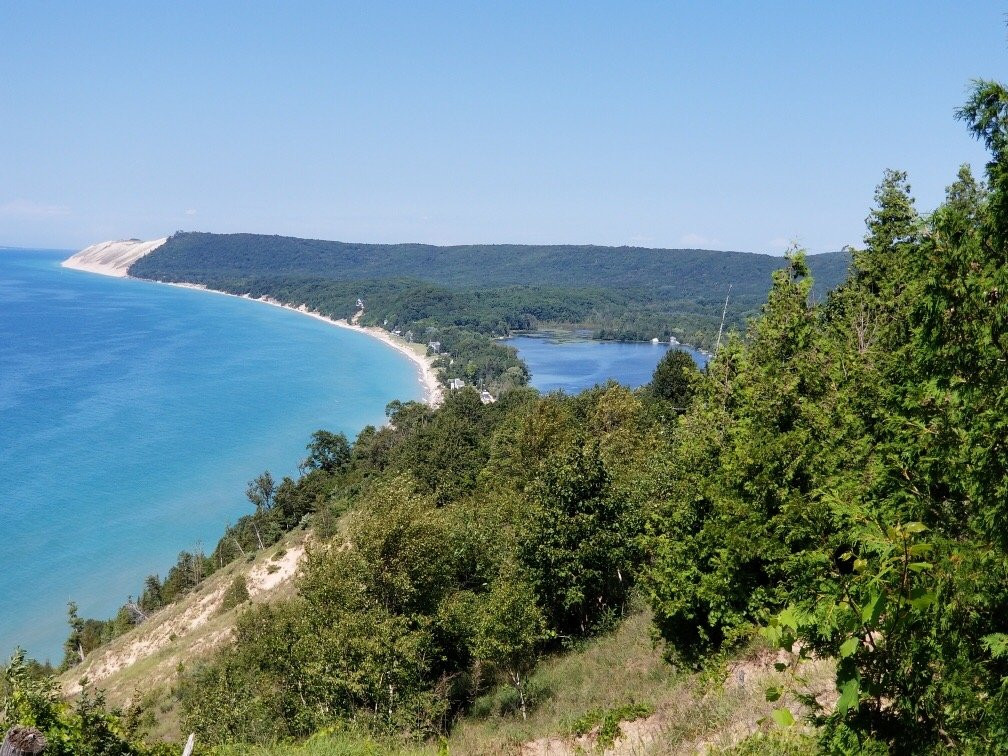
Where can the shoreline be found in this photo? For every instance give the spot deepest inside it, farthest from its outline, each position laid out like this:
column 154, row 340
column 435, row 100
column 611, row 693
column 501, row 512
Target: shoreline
column 433, row 394
column 426, row 372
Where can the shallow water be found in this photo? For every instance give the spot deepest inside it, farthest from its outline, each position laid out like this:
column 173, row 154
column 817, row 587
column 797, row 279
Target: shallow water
column 131, row 416
column 574, row 364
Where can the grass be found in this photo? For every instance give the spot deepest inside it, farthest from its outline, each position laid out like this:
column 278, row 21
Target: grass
column 149, row 655
column 614, row 694
column 619, row 669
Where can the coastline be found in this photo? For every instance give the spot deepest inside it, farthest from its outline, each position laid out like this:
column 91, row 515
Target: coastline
column 426, row 372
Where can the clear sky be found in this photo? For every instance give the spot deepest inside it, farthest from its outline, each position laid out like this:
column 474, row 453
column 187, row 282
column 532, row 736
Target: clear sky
column 718, row 125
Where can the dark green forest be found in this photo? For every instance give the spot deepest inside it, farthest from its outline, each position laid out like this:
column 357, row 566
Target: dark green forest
column 617, row 292
column 835, row 484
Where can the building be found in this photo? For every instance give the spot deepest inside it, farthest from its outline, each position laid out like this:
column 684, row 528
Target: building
column 486, row 397
column 434, row 346
column 456, row 383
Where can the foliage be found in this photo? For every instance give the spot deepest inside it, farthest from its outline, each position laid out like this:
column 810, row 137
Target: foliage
column 843, row 477
column 435, row 585
column 837, row 476
column 327, row 451
column 84, row 729
column 675, row 379
column 236, row 594
column 608, row 722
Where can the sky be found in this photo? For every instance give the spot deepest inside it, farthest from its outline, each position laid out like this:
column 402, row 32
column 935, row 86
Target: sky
column 723, row 125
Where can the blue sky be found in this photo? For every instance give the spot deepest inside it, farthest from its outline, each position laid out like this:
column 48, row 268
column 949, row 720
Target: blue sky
column 719, row 125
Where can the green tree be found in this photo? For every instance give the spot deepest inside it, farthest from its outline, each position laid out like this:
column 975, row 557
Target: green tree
column 510, row 628
column 260, row 493
column 327, row 451
column 675, row 378
column 579, row 545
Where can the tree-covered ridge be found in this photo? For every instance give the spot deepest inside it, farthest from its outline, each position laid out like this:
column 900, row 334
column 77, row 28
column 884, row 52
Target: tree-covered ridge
column 617, row 292
column 678, row 273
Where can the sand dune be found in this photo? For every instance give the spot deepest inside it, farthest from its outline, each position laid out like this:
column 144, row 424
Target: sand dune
column 111, row 258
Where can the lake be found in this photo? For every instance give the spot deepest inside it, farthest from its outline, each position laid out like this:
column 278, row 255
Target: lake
column 573, row 364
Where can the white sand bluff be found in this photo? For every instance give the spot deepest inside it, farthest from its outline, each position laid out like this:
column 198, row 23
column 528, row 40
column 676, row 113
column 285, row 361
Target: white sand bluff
column 111, row 258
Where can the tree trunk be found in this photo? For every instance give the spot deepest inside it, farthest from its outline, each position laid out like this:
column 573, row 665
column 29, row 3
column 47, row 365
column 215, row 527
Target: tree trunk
column 521, row 693
column 23, row 741
column 258, row 537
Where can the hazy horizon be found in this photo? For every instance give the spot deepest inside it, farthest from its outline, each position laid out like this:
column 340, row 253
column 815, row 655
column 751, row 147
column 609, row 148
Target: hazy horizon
column 460, row 244
column 728, row 127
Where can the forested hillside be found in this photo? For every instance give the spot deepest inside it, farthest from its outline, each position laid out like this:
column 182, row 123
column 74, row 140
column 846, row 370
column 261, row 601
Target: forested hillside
column 618, row 292
column 833, row 486
column 680, row 273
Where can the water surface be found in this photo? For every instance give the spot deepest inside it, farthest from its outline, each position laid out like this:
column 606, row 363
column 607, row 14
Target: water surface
column 574, row 364
column 131, row 416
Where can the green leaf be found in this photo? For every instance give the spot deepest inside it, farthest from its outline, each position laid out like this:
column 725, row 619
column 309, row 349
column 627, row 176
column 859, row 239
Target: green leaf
column 772, row 634
column 849, row 646
column 921, row 598
column 996, row 644
column 860, row 565
column 783, row 717
column 848, row 695
column 920, row 566
column 920, row 548
column 780, row 666
column 789, row 618
column 873, row 609
column 915, row 527
column 773, row 693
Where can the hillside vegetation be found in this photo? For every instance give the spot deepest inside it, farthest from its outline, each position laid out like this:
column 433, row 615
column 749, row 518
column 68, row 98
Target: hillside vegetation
column 827, row 501
column 618, row 292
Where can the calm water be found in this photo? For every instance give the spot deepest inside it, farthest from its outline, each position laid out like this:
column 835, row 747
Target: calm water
column 131, row 416
column 576, row 364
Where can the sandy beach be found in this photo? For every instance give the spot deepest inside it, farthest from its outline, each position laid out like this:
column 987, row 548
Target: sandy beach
column 427, row 373
column 114, row 259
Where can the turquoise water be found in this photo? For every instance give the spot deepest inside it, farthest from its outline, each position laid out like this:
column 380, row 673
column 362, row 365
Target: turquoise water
column 572, row 365
column 131, row 416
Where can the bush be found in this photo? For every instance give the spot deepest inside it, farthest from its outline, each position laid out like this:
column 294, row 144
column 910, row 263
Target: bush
column 236, row 593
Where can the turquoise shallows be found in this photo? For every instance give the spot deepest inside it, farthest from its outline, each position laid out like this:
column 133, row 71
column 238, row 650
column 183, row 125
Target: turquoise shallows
column 132, row 415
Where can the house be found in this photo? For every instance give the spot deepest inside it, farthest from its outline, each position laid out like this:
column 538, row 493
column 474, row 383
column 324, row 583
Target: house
column 434, row 346
column 456, row 383
column 397, row 332
column 486, row 397
column 360, row 303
